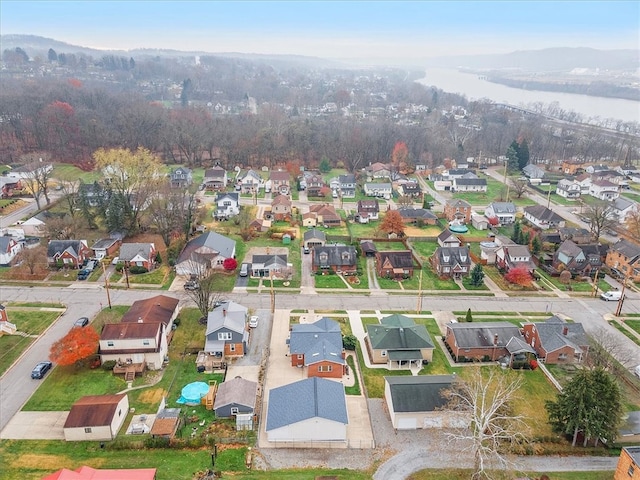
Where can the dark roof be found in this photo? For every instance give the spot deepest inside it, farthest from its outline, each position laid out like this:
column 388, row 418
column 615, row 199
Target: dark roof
column 418, row 394
column 57, row 247
column 93, row 411
column 446, row 235
column 458, row 203
column 626, row 248
column 212, row 241
column 315, row 233
column 104, row 243
column 398, row 332
column 368, row 246
column 306, row 399
column 156, row 309
column 397, row 258
column 453, row 255
column 368, row 206
column 543, row 213
column 482, row 334
column 471, row 181
column 555, row 333
column 417, row 213
column 120, row 331
column 236, row 391
column 318, row 341
column 336, row 255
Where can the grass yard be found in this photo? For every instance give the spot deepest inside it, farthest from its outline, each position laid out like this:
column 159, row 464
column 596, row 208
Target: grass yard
column 154, row 277
column 626, row 332
column 32, row 322
column 68, row 171
column 633, row 324
column 461, row 474
column 355, row 389
column 329, row 281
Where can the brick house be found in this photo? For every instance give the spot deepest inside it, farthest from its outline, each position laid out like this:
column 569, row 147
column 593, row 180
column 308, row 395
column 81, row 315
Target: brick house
column 339, row 258
column 394, row 264
column 628, row 467
column 368, row 210
column 138, row 255
column 318, row 348
column 624, row 256
column 556, row 341
column 451, row 262
column 457, row 209
column 415, row 216
column 325, row 215
column 68, row 253
column 481, row 340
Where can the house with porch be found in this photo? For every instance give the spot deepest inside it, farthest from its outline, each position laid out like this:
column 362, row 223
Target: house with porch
column 138, row 255
column 395, row 264
column 227, row 205
column 484, row 341
column 215, row 179
column 315, row 184
column 96, row 417
column 451, row 262
column 106, row 247
column 399, row 343
column 181, row 177
column 367, row 210
column 543, row 217
column 318, row 348
column 556, row 341
column 578, row 259
column 9, row 248
column 227, row 334
column 347, row 185
column 270, row 265
column 511, row 255
column 410, row 189
column 417, row 216
column 505, row 212
column 622, row 208
column 381, row 190
column 250, row 182
column 324, row 215
column 378, row 170
column 568, row 188
column 280, row 182
column 339, row 258
column 314, row 238
column 458, row 210
column 205, row 252
column 604, row 190
column 10, row 186
column 67, row 253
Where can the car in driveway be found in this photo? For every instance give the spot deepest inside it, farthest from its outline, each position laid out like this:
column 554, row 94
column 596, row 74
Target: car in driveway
column 191, row 285
column 81, row 322
column 253, row 321
column 40, row 370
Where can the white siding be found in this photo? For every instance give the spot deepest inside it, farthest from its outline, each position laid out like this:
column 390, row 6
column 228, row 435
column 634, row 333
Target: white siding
column 313, row 430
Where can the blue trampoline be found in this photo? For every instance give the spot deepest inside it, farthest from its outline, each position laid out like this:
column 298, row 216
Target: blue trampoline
column 192, row 393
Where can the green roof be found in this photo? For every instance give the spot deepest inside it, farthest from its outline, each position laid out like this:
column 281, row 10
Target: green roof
column 398, row 332
column 405, row 355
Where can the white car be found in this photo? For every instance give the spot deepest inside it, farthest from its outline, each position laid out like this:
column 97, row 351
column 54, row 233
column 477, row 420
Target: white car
column 253, row 321
column 637, row 371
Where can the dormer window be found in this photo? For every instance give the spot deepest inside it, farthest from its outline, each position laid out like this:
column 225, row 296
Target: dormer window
column 345, row 255
column 324, row 257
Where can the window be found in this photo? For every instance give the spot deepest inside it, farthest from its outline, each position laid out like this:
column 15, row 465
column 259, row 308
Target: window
column 232, row 347
column 383, row 353
column 109, row 344
column 145, row 342
column 631, row 471
column 300, row 357
column 119, row 412
column 234, row 410
column 87, row 429
column 325, row 368
column 224, row 335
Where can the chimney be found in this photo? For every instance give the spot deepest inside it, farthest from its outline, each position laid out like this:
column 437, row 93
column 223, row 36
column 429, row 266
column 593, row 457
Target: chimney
column 224, row 312
column 565, row 330
column 3, row 314
column 140, row 320
column 495, row 339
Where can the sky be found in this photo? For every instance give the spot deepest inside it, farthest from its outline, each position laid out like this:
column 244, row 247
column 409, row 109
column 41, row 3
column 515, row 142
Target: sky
column 330, row 29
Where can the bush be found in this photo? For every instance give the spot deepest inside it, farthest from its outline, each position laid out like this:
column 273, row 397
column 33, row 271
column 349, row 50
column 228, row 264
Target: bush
column 136, row 270
column 349, row 342
column 109, row 364
column 159, row 442
column 176, row 322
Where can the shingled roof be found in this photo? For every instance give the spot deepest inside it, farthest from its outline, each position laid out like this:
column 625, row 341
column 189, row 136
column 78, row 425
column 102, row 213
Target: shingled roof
column 160, row 308
column 418, row 394
column 93, row 411
column 397, row 332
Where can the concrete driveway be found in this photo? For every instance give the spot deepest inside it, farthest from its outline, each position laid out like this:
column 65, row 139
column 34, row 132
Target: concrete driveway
column 35, row 426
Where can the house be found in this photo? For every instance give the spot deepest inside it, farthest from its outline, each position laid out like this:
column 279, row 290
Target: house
column 456, row 173
column 448, row 239
column 314, row 238
column 227, row 205
column 215, row 179
column 396, row 264
column 512, row 255
column 624, row 256
column 578, row 259
column 556, row 341
column 281, row 207
column 90, row 473
column 166, row 423
column 451, row 262
column 250, row 182
column 31, row 171
column 9, row 248
column 410, row 189
column 542, row 217
column 35, row 226
column 604, row 190
column 628, row 467
column 418, row 402
column 310, row 410
column 205, row 252
column 270, row 265
column 417, row 216
column 315, row 185
column 381, row 190
column 94, row 194
column 533, row 172
column 368, row 248
column 568, row 188
column 235, row 397
column 441, row 183
column 578, row 235
column 67, row 253
column 280, row 182
column 260, row 225
column 505, row 212
column 483, row 341
column 469, row 185
column 459, row 210
column 339, row 258
column 347, row 185
column 9, row 186
column 324, row 215
column 318, row 348
column 623, row 207
column 138, row 255
column 399, row 343
column 106, row 247
column 227, row 334
column 142, row 338
column 96, row 417
column 180, row 177
column 378, row 170
column 368, row 210
column 584, row 182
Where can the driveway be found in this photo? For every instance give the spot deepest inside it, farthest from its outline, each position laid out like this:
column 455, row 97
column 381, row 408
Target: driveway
column 307, row 280
column 35, row 426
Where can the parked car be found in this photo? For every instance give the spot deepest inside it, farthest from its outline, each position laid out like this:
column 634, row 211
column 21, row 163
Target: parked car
column 84, row 274
column 613, row 233
column 81, row 322
column 253, row 321
column 191, row 285
column 244, row 270
column 637, row 370
column 611, row 295
column 115, row 260
column 306, row 250
column 41, row 369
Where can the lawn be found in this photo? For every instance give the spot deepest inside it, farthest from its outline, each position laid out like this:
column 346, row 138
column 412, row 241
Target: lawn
column 68, row 171
column 633, row 324
column 329, row 281
column 33, row 322
column 154, row 277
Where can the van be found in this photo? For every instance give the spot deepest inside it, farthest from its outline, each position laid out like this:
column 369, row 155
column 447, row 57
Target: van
column 613, row 295
column 244, row 270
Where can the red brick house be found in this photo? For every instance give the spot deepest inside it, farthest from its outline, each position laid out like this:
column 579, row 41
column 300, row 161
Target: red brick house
column 394, row 264
column 138, row 255
column 457, row 209
column 318, row 348
column 68, row 253
column 339, row 258
column 556, row 341
column 484, row 341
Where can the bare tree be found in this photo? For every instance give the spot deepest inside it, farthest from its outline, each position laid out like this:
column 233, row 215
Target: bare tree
column 37, row 174
column 633, row 222
column 519, row 187
column 70, row 188
column 405, row 201
column 203, row 279
column 31, row 258
column 62, row 227
column 601, row 216
column 486, row 400
column 606, row 351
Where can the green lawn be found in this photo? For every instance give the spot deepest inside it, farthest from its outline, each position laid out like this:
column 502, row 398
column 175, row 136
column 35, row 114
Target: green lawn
column 154, row 277
column 633, row 324
column 329, row 281
column 68, row 171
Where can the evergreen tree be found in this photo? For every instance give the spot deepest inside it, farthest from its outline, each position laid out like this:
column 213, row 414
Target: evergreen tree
column 536, row 245
column 523, row 154
column 516, row 235
column 469, row 317
column 513, row 164
column 325, row 166
column 52, row 55
column 477, row 275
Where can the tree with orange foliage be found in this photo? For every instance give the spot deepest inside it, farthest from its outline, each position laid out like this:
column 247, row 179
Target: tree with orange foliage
column 392, row 223
column 77, row 345
column 519, row 276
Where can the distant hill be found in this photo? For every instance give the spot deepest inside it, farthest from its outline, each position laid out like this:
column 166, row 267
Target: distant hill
column 546, row 60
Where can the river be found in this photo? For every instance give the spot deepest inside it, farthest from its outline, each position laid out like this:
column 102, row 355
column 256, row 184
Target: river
column 474, row 88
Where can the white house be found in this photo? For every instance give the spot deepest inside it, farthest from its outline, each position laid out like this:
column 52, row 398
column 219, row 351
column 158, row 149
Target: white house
column 96, row 417
column 568, row 188
column 623, row 207
column 227, row 205
column 383, row 190
column 542, row 217
column 505, row 212
column 9, row 248
column 469, row 184
column 251, row 182
column 604, row 190
column 34, row 226
column 310, row 410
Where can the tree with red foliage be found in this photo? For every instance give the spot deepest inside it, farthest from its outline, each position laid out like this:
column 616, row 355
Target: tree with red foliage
column 493, row 221
column 519, row 276
column 77, row 345
column 392, row 223
column 230, row 264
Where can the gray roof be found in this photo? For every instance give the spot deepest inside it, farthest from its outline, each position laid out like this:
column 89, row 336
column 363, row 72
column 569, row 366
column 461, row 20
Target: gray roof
column 471, row 181
column 453, row 255
column 230, row 195
column 397, row 258
column 347, row 178
column 456, row 202
column 306, row 399
column 503, row 207
column 59, row 246
column 398, row 332
column 318, row 341
column 543, row 213
column 633, row 452
column 315, row 233
column 552, row 334
column 622, row 203
column 223, row 245
column 518, row 345
column 338, row 255
column 626, row 248
column 446, row 235
column 423, row 213
column 236, row 391
column 230, row 315
column 268, row 260
column 5, row 241
column 418, row 394
column 482, row 334
column 104, row 243
column 130, row 250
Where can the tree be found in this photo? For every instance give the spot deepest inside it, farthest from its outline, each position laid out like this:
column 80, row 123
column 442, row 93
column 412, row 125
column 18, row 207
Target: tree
column 519, row 186
column 36, row 176
column 203, row 296
column 523, row 153
column 477, row 275
column 32, row 258
column 52, row 55
column 516, row 235
column 633, row 222
column 608, row 352
column 536, row 245
column 485, row 401
column 519, row 276
column 349, row 342
column 230, row 264
column 325, row 166
column 601, row 216
column 76, row 346
column 392, row 223
column 400, row 156
column 494, row 221
column 513, row 165
column 405, row 201
column 469, row 317
column 590, row 404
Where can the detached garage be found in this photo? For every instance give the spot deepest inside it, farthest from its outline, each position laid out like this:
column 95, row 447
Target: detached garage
column 96, row 417
column 416, row 402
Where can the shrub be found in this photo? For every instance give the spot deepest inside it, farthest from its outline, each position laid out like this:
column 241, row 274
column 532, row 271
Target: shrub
column 136, row 270
column 349, row 342
column 176, row 322
column 534, row 364
column 109, row 364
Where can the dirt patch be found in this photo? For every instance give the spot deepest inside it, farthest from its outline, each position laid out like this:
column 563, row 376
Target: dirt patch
column 152, row 396
column 12, row 207
column 48, row 462
column 266, row 251
column 150, row 238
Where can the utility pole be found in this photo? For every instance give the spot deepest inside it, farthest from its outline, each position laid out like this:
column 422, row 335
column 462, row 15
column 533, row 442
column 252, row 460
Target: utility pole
column 595, row 283
column 419, row 305
column 106, row 284
column 621, row 301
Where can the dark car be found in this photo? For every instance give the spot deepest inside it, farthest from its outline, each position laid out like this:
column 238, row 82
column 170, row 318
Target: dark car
column 191, row 285
column 83, row 274
column 40, row 369
column 81, row 322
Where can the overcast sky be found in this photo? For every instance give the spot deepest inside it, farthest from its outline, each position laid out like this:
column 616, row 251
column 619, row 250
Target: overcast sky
column 330, row 29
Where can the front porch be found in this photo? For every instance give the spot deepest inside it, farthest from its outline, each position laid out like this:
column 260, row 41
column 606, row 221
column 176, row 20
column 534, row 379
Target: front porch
column 404, row 359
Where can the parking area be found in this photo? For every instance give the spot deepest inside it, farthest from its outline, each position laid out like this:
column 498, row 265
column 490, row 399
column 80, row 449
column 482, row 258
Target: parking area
column 35, row 426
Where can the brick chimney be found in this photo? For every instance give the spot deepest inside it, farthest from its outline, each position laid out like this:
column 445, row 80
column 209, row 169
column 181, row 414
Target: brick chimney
column 495, row 339
column 565, row 330
column 3, row 314
column 224, row 312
